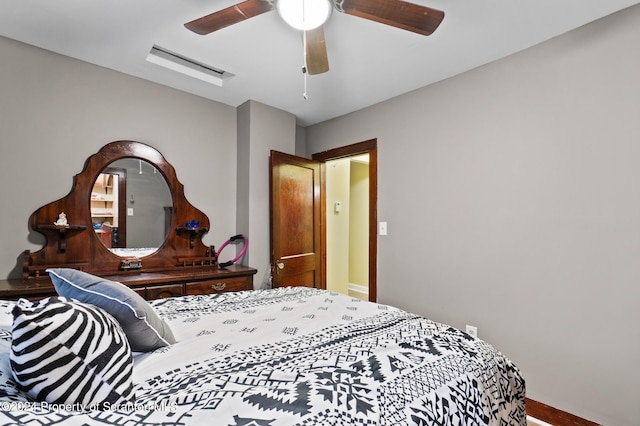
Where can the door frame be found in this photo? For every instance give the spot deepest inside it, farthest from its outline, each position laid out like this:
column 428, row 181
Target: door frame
column 366, row 147
column 122, row 202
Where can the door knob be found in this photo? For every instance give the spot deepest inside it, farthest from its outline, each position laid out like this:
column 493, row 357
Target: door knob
column 280, row 265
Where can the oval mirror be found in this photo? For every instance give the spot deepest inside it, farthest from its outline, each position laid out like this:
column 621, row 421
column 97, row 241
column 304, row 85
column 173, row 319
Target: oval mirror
column 131, row 207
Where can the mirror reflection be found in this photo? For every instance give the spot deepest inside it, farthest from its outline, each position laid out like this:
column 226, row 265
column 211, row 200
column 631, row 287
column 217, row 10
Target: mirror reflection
column 131, row 207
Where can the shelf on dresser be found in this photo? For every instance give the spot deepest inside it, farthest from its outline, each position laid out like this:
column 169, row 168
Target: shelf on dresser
column 63, row 230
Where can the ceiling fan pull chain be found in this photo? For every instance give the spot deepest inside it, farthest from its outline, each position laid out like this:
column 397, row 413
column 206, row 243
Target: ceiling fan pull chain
column 304, row 63
column 304, row 94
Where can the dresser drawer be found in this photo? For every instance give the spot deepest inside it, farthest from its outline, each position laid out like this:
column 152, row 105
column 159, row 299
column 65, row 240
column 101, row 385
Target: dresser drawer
column 219, row 285
column 141, row 291
column 163, row 291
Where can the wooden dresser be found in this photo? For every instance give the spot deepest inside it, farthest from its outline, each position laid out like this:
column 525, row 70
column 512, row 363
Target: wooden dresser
column 102, row 202
column 150, row 285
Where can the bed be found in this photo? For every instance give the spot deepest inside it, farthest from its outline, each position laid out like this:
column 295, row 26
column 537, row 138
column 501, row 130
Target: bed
column 293, row 356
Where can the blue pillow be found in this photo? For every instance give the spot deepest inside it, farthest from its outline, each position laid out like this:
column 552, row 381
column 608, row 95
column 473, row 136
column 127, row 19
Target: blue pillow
column 145, row 330
column 67, row 352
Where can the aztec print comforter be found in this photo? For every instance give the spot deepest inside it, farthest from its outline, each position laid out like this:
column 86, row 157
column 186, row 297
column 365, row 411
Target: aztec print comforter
column 297, row 356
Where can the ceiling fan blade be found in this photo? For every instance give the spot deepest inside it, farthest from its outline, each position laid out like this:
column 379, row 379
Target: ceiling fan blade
column 229, row 16
column 397, row 13
column 316, row 54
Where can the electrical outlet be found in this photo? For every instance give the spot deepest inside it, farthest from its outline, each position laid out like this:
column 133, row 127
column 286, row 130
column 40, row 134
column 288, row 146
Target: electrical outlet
column 472, row 331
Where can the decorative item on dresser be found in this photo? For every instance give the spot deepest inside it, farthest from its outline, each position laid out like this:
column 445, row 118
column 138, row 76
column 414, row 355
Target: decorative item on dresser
column 169, row 257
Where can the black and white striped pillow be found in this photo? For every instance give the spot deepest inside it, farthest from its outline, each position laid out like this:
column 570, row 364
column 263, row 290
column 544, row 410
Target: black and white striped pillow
column 67, row 352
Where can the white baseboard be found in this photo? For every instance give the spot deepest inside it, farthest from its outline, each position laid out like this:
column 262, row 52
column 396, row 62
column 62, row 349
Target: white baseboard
column 357, row 288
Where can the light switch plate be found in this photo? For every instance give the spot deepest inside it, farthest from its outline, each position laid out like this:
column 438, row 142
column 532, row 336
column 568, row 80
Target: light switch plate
column 383, row 228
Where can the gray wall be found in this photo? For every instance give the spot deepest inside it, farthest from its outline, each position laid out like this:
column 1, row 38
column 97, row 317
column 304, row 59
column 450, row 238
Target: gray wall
column 261, row 128
column 512, row 196
column 56, row 111
column 147, row 194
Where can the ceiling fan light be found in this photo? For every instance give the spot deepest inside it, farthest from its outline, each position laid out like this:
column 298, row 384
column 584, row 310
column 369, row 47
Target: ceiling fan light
column 304, row 14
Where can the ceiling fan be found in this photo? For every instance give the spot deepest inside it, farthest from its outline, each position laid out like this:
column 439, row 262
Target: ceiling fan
column 397, row 13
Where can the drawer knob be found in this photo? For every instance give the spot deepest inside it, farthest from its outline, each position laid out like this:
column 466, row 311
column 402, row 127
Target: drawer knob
column 219, row 286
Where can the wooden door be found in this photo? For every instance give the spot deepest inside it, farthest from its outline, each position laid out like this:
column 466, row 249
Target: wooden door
column 295, row 221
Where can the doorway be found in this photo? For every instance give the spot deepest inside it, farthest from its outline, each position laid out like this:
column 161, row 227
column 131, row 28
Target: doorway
column 108, row 207
column 347, row 219
column 350, row 191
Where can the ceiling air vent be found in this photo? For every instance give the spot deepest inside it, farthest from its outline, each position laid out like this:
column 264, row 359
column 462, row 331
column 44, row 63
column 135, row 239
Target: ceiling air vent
column 168, row 59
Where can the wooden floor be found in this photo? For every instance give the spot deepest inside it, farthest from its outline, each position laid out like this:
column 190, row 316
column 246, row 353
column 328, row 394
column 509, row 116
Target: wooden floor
column 553, row 416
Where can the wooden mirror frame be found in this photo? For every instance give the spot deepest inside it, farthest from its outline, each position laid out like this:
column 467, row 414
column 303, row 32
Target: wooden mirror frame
column 78, row 246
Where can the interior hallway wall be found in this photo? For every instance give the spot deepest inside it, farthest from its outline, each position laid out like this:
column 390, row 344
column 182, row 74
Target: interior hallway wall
column 337, row 190
column 359, row 224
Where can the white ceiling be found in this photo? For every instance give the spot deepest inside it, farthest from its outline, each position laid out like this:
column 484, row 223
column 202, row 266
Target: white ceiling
column 369, row 62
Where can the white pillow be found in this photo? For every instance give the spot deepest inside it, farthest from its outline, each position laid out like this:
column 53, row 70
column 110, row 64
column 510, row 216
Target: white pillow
column 145, row 330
